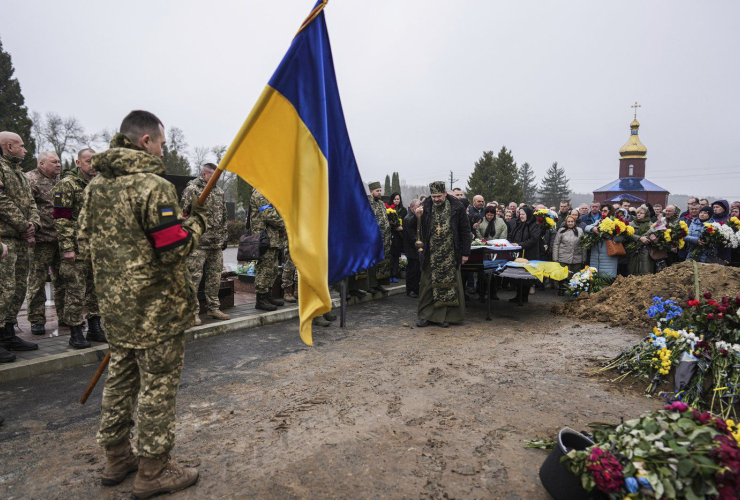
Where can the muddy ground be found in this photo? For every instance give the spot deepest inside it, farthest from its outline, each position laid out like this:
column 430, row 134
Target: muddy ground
column 380, row 409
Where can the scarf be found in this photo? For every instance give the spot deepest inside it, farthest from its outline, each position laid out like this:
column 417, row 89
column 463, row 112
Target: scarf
column 442, row 257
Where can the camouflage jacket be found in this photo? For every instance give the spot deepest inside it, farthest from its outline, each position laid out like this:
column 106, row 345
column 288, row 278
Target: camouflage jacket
column 217, row 233
column 17, row 207
column 41, row 188
column 67, row 205
column 132, row 230
column 378, row 207
column 265, row 217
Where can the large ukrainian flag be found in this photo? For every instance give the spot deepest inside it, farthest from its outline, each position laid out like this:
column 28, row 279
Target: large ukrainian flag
column 294, row 148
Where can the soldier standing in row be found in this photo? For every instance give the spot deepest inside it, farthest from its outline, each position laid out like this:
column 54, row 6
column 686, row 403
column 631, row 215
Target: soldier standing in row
column 132, row 229
column 208, row 258
column 76, row 274
column 380, row 274
column 264, row 217
column 19, row 221
column 45, row 254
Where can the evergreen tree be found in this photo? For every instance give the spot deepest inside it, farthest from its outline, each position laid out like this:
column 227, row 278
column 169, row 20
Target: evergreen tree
column 528, row 181
column 387, row 186
column 554, row 187
column 395, row 183
column 175, row 153
column 495, row 178
column 13, row 112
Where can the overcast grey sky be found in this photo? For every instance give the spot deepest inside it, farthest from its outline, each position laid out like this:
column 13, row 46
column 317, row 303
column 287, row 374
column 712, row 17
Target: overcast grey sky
column 426, row 85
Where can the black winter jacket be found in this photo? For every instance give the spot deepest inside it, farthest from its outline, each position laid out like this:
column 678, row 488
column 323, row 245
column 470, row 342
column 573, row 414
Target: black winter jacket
column 460, row 228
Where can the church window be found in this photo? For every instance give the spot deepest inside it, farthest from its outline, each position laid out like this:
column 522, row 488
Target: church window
column 632, row 170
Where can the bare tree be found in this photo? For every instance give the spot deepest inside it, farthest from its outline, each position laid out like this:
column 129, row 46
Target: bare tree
column 199, row 157
column 36, row 131
column 219, row 151
column 106, row 135
column 63, row 134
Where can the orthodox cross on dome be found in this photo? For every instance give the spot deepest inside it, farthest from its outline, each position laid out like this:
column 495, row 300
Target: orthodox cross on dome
column 636, row 106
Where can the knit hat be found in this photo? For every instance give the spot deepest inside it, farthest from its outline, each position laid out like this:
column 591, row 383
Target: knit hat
column 438, row 187
column 706, row 209
column 373, row 186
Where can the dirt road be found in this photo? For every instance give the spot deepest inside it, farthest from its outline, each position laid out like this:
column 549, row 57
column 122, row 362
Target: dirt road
column 378, row 410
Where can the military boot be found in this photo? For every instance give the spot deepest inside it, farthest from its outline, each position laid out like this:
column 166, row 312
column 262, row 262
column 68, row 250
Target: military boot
column 263, row 303
column 12, row 342
column 95, row 332
column 275, row 301
column 198, row 322
column 217, row 314
column 330, row 316
column 6, row 356
column 120, row 462
column 157, row 476
column 288, row 295
column 321, row 321
column 77, row 338
column 38, row 329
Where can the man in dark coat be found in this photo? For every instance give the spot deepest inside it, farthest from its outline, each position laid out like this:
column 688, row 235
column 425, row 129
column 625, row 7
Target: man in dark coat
column 413, row 271
column 445, row 232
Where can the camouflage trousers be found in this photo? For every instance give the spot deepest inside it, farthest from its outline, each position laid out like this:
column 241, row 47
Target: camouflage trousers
column 208, row 261
column 152, row 376
column 79, row 291
column 289, row 272
column 13, row 276
column 45, row 255
column 266, row 271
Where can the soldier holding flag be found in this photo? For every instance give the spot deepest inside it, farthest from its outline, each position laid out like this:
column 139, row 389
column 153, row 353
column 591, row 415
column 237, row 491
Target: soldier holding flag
column 132, row 230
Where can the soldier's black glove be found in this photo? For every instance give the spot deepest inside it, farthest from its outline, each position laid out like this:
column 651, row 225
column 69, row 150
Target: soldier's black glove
column 223, row 247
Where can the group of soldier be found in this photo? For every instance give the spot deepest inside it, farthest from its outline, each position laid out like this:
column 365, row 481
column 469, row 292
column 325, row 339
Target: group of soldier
column 39, row 215
column 113, row 234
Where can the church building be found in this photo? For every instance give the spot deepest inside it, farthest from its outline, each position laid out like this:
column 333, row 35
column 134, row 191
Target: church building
column 632, row 184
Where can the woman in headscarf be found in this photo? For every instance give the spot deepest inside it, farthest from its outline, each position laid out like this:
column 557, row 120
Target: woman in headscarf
column 600, row 259
column 527, row 235
column 397, row 236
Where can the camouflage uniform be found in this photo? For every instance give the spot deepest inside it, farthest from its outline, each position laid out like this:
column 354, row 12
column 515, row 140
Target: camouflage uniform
column 132, row 229
column 208, row 258
column 265, row 217
column 289, row 271
column 45, row 254
column 380, row 274
column 76, row 277
column 17, row 209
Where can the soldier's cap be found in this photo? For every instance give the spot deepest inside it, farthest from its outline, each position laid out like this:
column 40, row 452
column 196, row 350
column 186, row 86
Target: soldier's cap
column 437, row 187
column 373, row 186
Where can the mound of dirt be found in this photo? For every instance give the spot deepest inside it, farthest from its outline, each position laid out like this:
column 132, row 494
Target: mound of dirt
column 627, row 300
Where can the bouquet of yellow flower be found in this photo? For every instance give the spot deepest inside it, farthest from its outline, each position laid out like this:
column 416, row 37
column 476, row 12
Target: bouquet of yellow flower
column 609, row 227
column 734, row 223
column 393, row 217
column 545, row 219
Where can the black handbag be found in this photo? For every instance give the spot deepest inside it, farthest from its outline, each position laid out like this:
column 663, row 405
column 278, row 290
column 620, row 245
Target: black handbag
column 252, row 246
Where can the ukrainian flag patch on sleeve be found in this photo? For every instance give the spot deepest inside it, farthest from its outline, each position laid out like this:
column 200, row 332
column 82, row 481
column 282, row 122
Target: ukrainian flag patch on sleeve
column 166, row 213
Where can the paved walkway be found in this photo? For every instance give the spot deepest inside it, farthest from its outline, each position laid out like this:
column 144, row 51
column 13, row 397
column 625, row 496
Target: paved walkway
column 54, row 352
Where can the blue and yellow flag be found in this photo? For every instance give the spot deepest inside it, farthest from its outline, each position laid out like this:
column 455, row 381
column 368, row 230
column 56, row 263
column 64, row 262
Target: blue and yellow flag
column 294, row 148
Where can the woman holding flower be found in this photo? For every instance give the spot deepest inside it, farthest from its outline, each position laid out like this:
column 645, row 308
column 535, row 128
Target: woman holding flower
column 566, row 249
column 396, row 234
column 600, row 259
column 639, row 262
column 693, row 240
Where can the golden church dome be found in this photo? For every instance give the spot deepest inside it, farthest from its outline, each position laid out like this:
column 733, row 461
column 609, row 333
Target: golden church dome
column 634, row 148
